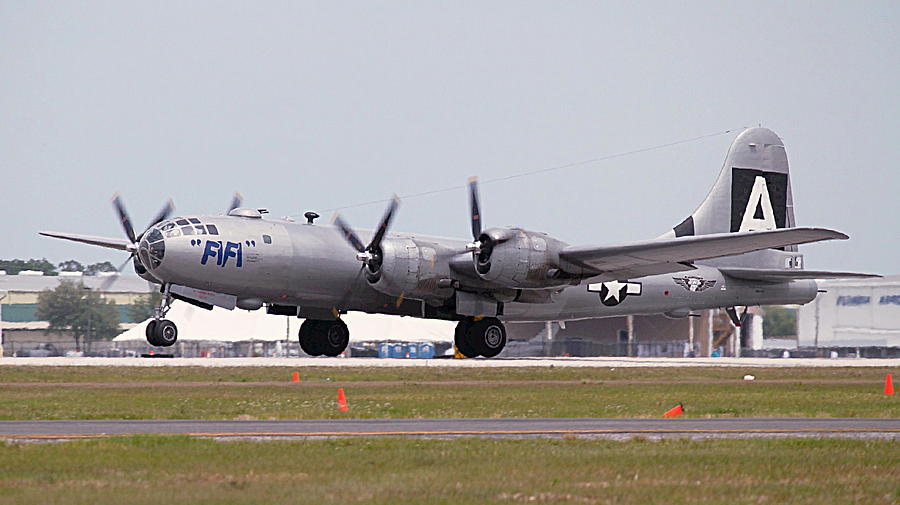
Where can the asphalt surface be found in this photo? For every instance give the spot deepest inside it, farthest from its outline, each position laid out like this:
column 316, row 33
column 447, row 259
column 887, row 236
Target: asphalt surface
column 725, row 427
column 459, row 363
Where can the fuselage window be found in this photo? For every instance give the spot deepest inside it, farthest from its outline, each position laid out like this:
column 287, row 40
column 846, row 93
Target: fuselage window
column 267, row 239
column 182, row 222
column 200, row 230
column 194, row 220
column 187, row 230
column 211, row 228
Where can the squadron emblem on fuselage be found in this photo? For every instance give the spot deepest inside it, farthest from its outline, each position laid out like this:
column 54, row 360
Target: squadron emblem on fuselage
column 694, row 283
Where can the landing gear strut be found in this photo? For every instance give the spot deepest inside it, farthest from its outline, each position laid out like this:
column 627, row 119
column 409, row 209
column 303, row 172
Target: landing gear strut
column 162, row 332
column 329, row 338
column 483, row 337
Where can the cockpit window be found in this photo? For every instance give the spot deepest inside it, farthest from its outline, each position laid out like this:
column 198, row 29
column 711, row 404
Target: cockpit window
column 154, row 236
column 182, row 222
column 194, row 220
column 212, row 229
column 168, row 226
column 172, row 233
column 187, row 230
column 199, row 230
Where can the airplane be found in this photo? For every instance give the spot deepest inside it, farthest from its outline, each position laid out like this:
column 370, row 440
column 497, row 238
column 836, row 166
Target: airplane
column 737, row 249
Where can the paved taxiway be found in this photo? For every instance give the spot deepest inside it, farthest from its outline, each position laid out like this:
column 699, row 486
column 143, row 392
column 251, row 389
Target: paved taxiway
column 610, row 362
column 725, row 427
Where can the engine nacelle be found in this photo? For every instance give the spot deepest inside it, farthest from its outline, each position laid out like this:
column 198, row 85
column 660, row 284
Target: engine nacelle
column 409, row 268
column 517, row 258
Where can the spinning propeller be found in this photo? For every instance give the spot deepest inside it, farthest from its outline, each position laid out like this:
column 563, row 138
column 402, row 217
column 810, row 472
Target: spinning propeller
column 370, row 255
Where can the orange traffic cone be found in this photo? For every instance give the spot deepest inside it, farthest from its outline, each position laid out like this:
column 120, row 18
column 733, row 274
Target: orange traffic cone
column 675, row 411
column 342, row 401
column 295, row 377
column 888, row 384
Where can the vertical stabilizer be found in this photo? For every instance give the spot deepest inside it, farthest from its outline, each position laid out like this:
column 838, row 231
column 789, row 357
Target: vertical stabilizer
column 752, row 192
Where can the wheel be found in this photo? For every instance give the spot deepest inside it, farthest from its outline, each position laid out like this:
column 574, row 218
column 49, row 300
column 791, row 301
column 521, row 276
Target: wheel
column 150, row 331
column 309, row 341
column 461, row 339
column 335, row 336
column 166, row 333
column 487, row 336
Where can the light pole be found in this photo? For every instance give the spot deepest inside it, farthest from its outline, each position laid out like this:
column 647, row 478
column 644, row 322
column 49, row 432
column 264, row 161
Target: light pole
column 2, row 297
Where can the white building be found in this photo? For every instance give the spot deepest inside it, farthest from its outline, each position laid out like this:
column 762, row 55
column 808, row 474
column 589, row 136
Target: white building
column 857, row 313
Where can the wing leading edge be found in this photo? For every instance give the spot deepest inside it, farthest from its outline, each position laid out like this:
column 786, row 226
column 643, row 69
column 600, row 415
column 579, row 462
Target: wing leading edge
column 112, row 243
column 658, row 256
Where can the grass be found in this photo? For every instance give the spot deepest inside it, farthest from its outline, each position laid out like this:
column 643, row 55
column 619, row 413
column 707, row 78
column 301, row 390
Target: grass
column 265, row 393
column 135, row 470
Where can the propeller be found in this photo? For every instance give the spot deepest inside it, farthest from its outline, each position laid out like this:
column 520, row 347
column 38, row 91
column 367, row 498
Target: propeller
column 370, row 255
column 236, row 202
column 475, row 217
column 125, row 220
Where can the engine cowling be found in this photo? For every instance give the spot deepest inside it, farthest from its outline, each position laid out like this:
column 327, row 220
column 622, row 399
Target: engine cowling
column 408, row 267
column 517, row 258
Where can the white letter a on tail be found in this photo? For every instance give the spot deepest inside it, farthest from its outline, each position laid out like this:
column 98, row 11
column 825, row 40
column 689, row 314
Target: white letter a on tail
column 758, row 215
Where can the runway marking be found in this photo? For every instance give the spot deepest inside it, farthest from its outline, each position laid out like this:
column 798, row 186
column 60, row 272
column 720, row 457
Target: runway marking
column 661, row 431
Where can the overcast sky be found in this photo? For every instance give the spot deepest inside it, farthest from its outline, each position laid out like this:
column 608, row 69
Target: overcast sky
column 310, row 106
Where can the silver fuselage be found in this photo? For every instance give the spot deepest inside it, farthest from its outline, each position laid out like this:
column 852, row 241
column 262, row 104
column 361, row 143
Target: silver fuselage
column 312, row 266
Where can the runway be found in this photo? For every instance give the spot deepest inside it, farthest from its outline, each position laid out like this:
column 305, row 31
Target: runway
column 448, row 428
column 608, row 362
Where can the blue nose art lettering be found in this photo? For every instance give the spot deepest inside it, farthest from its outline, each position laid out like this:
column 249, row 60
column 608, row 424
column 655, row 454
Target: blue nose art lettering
column 233, row 250
column 212, row 250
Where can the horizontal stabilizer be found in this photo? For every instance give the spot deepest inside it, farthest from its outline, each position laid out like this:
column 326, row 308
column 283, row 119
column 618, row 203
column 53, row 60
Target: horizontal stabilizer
column 112, row 243
column 618, row 261
column 785, row 275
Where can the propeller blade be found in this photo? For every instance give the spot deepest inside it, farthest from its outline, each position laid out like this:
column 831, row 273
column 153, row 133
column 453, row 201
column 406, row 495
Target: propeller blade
column 161, row 216
column 473, row 202
column 123, row 218
column 335, row 309
column 348, row 233
column 236, row 202
column 383, row 226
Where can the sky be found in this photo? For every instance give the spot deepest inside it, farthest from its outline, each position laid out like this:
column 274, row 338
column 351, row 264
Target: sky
column 322, row 105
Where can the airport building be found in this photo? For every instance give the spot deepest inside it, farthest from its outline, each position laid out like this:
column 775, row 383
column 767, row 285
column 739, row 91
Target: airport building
column 852, row 313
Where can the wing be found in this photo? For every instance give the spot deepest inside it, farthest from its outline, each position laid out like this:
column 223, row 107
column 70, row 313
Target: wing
column 112, row 243
column 650, row 257
column 784, row 275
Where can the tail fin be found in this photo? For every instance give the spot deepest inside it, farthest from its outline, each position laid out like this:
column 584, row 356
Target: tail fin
column 753, row 192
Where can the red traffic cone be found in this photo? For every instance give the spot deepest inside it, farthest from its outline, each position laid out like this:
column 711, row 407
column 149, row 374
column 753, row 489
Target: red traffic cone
column 888, row 384
column 675, row 411
column 295, row 377
column 342, row 401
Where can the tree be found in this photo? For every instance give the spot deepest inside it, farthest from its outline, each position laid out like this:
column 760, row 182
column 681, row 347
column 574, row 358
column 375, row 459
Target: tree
column 14, row 266
column 142, row 309
column 73, row 307
column 103, row 266
column 71, row 266
column 780, row 322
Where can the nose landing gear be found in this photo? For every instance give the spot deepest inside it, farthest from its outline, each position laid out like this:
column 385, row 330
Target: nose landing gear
column 482, row 337
column 162, row 332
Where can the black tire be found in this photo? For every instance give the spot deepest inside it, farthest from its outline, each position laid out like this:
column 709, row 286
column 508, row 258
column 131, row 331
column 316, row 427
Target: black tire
column 487, row 336
column 166, row 333
column 334, row 337
column 150, row 331
column 309, row 340
column 461, row 339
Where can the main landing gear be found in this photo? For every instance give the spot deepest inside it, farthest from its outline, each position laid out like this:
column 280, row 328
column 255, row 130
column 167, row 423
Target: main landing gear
column 162, row 332
column 480, row 337
column 328, row 338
